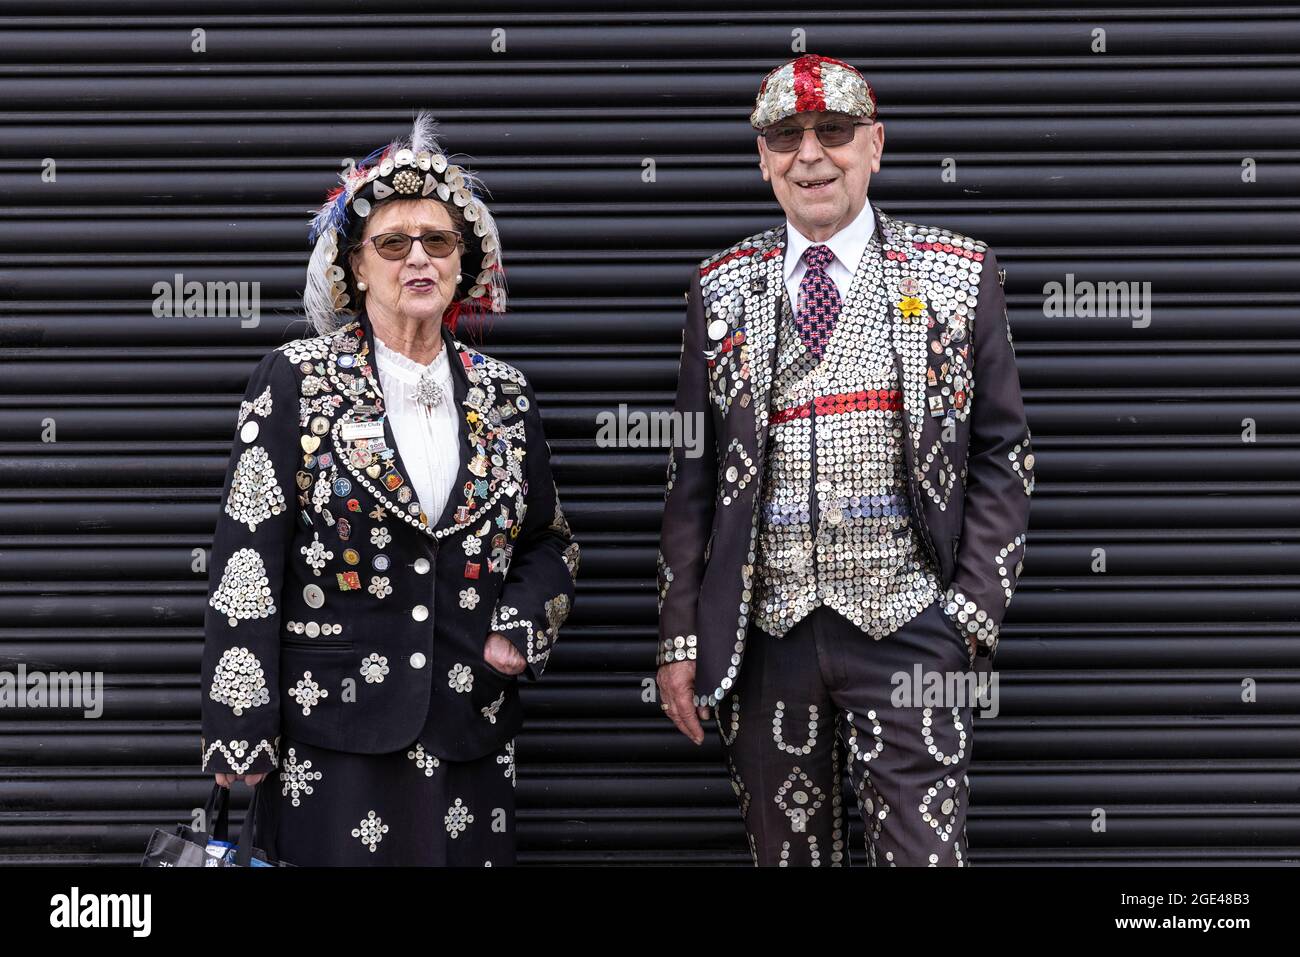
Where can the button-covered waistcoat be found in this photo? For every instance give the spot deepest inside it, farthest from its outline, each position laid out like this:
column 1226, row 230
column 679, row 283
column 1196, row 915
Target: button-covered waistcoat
column 835, row 524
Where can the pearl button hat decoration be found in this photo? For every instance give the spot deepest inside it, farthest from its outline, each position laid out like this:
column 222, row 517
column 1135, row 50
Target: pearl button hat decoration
column 411, row 167
column 812, row 84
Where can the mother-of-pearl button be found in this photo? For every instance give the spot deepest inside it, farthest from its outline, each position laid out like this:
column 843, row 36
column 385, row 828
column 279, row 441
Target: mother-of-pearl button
column 421, row 566
column 420, row 613
column 249, row 431
column 417, row 660
column 717, row 329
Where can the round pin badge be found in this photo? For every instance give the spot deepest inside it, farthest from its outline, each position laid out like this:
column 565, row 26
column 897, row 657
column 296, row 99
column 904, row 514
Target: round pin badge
column 342, row 487
column 521, row 403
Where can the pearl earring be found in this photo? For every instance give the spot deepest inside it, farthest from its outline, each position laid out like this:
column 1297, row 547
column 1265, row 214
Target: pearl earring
column 458, row 278
column 361, row 287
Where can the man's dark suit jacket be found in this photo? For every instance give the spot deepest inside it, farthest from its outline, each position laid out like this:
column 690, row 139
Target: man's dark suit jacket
column 969, row 468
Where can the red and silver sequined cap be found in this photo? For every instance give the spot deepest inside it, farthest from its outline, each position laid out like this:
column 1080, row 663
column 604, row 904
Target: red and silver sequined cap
column 813, row 84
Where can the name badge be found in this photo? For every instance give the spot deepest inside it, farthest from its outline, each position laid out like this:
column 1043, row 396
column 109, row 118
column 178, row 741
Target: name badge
column 362, row 430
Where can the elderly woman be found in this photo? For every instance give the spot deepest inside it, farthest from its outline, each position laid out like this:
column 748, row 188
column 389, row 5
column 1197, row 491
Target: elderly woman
column 391, row 554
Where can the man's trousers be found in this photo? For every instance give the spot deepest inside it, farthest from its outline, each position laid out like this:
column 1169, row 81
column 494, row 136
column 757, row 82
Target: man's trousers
column 827, row 693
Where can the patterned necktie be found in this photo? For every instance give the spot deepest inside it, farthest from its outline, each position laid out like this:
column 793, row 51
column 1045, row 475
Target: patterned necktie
column 819, row 301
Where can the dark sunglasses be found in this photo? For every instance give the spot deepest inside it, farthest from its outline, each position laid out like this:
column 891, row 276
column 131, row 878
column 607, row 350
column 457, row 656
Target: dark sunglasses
column 786, row 139
column 438, row 243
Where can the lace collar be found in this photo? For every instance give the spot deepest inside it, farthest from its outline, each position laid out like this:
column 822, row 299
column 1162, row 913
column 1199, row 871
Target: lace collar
column 406, row 369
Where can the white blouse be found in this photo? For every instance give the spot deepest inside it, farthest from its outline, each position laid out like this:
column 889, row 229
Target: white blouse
column 428, row 439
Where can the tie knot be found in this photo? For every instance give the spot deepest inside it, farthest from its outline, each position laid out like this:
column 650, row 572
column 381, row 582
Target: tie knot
column 818, row 257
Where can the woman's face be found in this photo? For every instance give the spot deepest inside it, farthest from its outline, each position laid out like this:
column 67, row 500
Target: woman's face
column 418, row 287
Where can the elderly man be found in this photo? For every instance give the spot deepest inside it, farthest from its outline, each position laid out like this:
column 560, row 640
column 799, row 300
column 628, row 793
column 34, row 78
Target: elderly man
column 859, row 517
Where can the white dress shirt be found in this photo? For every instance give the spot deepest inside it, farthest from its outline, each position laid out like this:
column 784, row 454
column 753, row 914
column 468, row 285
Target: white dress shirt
column 428, row 439
column 848, row 245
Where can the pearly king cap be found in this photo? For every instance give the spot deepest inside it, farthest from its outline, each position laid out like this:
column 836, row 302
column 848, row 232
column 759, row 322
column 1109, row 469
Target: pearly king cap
column 411, row 167
column 812, row 84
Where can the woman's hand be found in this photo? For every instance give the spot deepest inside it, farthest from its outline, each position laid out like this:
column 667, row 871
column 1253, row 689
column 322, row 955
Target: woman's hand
column 502, row 655
column 252, row 780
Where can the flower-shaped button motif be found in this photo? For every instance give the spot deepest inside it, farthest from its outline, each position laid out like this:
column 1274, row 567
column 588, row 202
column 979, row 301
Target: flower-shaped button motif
column 374, row 667
column 461, row 679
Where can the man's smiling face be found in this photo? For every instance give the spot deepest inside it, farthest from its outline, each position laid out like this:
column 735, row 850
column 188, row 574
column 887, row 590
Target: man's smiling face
column 822, row 189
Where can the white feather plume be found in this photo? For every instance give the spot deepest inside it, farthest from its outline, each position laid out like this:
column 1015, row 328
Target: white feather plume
column 318, row 294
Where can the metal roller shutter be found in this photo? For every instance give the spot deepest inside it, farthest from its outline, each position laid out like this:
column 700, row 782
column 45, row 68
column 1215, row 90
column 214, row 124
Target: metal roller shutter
column 1123, row 690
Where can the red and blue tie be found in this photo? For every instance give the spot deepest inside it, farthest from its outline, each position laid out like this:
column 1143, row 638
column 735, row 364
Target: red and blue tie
column 819, row 301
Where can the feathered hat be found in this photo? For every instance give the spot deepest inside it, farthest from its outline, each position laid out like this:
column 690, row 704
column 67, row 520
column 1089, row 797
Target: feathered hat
column 413, row 167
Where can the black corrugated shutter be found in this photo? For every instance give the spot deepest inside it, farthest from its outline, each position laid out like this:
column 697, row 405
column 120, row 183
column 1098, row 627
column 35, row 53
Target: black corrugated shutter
column 1122, row 690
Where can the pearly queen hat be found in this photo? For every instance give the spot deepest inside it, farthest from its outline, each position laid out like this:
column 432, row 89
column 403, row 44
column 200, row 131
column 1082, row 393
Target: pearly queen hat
column 412, row 167
column 812, row 84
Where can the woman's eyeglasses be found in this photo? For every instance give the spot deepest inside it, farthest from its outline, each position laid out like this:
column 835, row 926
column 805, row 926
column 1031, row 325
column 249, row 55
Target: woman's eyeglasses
column 438, row 243
column 786, row 139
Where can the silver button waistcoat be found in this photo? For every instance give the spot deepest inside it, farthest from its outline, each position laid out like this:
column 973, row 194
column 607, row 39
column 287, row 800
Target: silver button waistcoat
column 835, row 525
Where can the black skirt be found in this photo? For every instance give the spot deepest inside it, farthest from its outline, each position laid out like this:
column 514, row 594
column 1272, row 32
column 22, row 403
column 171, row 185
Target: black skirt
column 403, row 808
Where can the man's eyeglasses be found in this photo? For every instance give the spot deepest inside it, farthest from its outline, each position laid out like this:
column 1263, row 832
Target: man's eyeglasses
column 438, row 243
column 786, row 139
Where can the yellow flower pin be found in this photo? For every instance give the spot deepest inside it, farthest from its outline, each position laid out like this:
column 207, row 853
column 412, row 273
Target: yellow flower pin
column 911, row 306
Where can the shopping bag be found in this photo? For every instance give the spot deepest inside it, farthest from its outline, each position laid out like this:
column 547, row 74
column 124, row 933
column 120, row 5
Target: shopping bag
column 186, row 846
